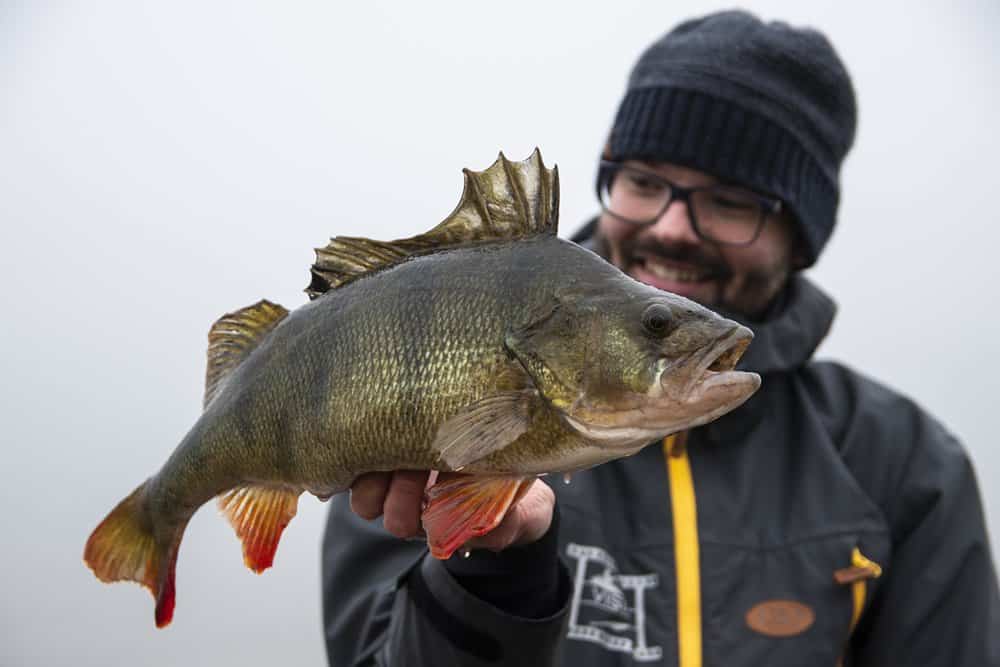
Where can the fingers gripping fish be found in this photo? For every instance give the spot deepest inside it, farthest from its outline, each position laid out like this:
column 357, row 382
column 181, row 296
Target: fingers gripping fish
column 486, row 345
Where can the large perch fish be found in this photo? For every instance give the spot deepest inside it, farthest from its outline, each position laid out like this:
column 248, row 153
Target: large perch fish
column 487, row 345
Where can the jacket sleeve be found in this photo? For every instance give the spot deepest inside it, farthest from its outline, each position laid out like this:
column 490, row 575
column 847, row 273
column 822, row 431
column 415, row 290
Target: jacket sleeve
column 938, row 602
column 385, row 602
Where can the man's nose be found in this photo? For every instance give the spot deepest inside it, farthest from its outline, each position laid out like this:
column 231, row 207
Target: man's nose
column 675, row 225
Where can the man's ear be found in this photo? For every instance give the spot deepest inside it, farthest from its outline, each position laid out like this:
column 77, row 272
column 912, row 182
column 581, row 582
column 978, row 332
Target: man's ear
column 800, row 251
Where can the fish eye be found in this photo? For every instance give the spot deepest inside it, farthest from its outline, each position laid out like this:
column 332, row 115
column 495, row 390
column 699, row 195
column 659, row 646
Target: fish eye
column 656, row 320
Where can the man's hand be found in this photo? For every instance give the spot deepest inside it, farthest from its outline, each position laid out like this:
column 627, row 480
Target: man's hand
column 398, row 495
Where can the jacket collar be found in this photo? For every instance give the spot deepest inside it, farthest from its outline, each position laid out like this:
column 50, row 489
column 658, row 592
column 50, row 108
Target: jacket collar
column 791, row 331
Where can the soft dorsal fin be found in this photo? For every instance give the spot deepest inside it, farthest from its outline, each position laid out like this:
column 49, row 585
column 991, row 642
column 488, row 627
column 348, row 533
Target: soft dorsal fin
column 510, row 200
column 234, row 336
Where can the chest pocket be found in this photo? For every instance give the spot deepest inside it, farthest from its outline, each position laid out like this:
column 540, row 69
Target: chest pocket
column 790, row 542
column 793, row 605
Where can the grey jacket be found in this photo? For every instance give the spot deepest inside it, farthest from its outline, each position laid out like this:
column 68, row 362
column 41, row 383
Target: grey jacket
column 826, row 521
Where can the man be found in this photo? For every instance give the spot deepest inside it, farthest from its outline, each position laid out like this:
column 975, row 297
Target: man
column 826, row 521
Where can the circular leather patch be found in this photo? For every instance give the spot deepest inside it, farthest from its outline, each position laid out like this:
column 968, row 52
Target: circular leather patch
column 780, row 618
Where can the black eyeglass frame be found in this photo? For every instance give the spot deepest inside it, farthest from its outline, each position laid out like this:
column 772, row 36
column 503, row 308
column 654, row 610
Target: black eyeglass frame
column 768, row 205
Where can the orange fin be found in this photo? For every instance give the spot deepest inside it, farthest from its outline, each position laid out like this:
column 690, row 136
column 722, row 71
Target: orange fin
column 465, row 507
column 259, row 514
column 234, row 336
column 123, row 547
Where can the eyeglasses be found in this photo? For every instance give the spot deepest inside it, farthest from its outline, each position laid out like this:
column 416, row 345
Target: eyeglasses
column 719, row 213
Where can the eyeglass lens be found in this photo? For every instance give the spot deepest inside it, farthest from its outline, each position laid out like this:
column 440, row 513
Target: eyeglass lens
column 721, row 213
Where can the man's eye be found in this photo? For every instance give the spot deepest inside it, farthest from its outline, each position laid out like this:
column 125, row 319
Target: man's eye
column 732, row 202
column 643, row 184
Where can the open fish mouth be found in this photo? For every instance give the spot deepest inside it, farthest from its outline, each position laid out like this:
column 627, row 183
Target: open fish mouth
column 714, row 370
column 691, row 391
column 728, row 351
column 723, row 355
column 689, row 378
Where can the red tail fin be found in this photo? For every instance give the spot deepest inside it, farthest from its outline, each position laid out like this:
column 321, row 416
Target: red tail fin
column 124, row 547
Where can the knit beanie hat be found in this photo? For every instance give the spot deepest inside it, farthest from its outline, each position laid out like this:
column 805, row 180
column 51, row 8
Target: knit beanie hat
column 763, row 105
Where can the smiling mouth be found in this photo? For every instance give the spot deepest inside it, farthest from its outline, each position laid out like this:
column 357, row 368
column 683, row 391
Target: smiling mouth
column 678, row 272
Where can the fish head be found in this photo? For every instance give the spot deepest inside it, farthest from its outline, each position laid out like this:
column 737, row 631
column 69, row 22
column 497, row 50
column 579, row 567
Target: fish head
column 628, row 365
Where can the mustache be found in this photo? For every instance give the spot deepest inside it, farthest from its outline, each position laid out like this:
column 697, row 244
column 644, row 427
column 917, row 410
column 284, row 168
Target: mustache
column 683, row 253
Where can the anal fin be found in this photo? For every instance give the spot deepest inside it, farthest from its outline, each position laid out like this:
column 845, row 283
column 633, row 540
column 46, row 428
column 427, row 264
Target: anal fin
column 467, row 506
column 259, row 514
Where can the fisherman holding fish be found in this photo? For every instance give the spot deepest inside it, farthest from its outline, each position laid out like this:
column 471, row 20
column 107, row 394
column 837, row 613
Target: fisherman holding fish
column 823, row 519
column 828, row 520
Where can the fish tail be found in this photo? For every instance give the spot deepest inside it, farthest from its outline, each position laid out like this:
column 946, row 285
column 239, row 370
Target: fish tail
column 127, row 546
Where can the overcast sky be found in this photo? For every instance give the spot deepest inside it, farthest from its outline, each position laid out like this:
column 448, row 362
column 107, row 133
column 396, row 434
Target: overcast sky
column 163, row 163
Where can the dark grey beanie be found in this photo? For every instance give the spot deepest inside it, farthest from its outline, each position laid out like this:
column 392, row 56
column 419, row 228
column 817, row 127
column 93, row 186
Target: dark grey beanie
column 765, row 105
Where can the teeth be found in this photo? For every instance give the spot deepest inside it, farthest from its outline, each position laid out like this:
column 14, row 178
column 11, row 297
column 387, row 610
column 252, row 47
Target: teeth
column 678, row 275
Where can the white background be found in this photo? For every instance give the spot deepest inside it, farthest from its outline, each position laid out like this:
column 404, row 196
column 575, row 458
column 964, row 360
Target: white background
column 161, row 164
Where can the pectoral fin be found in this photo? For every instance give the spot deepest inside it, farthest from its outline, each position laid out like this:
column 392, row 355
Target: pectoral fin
column 483, row 428
column 466, row 507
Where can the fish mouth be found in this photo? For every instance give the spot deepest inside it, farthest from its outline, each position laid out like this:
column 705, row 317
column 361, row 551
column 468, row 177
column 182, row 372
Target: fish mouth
column 690, row 377
column 728, row 351
column 691, row 391
column 713, row 375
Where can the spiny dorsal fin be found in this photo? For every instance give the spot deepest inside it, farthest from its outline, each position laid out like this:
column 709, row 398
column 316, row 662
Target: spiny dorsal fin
column 234, row 336
column 346, row 258
column 510, row 200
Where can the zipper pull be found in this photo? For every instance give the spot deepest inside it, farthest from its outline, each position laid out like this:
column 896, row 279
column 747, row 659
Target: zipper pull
column 861, row 568
column 676, row 444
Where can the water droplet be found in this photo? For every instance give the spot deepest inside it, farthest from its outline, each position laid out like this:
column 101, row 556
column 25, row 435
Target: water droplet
column 566, row 477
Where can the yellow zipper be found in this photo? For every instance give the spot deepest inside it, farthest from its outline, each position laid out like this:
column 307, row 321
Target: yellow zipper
column 686, row 556
column 859, row 588
column 857, row 575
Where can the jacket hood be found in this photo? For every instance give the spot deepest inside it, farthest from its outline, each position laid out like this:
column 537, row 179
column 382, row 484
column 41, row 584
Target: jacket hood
column 791, row 330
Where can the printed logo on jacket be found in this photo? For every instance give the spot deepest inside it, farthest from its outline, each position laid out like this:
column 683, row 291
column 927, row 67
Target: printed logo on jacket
column 608, row 607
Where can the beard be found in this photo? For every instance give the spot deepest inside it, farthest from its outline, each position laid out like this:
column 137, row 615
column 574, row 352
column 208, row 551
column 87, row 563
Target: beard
column 746, row 293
